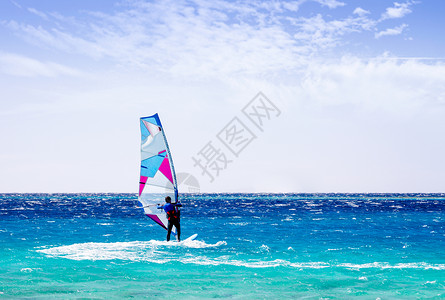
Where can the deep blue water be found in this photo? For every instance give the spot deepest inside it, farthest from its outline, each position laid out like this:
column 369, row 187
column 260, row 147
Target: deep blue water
column 250, row 246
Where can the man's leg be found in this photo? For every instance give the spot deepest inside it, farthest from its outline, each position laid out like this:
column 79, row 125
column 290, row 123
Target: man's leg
column 169, row 229
column 178, row 229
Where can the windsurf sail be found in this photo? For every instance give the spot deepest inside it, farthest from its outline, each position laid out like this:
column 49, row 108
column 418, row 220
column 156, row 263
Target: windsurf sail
column 157, row 178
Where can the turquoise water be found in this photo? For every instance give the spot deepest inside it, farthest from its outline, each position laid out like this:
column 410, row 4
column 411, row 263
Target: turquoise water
column 250, row 246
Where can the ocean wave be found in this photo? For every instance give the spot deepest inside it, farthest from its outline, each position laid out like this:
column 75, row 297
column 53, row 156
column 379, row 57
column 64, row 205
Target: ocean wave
column 252, row 263
column 264, row 248
column 239, row 223
column 352, row 204
column 384, row 265
column 158, row 252
column 29, row 270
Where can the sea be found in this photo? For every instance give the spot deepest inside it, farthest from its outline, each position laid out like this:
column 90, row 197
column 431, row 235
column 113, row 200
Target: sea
column 249, row 246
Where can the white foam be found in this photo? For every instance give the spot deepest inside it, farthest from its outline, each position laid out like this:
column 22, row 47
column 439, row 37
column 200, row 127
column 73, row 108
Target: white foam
column 26, row 270
column 149, row 252
column 29, row 270
column 384, row 265
column 264, row 248
column 352, row 204
column 252, row 263
column 160, row 252
column 239, row 224
column 188, row 244
column 134, row 251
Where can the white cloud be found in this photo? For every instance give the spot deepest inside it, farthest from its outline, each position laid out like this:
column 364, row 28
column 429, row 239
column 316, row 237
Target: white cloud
column 19, row 65
column 330, row 3
column 391, row 31
column 38, row 13
column 337, row 121
column 356, row 125
column 199, row 38
column 322, row 34
column 16, row 4
column 360, row 11
column 388, row 84
column 399, row 10
column 293, row 6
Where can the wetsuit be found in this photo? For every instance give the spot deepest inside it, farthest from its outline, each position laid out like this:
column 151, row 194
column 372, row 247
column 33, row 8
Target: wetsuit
column 173, row 218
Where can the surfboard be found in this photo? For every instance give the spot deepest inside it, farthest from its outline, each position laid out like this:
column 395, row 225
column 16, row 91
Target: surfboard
column 191, row 238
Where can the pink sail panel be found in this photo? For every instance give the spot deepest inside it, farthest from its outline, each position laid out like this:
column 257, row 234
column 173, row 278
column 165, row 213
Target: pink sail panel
column 156, row 219
column 165, row 169
column 142, row 182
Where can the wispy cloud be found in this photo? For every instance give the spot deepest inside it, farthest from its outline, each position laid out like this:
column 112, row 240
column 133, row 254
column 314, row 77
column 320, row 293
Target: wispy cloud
column 391, row 31
column 17, row 65
column 360, row 11
column 199, row 38
column 386, row 83
column 318, row 32
column 38, row 13
column 16, row 4
column 399, row 10
column 331, row 3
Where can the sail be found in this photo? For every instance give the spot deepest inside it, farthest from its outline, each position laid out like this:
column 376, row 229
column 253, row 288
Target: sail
column 157, row 178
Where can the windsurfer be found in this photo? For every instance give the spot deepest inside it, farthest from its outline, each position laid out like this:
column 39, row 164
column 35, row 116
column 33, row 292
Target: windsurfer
column 172, row 216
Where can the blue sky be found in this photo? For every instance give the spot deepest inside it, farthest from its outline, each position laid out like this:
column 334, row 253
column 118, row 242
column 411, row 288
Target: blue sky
column 360, row 86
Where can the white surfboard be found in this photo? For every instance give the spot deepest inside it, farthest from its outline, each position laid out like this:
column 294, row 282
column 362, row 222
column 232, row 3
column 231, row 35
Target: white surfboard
column 191, row 238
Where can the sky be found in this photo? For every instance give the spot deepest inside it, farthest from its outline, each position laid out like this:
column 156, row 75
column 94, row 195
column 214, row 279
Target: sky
column 274, row 96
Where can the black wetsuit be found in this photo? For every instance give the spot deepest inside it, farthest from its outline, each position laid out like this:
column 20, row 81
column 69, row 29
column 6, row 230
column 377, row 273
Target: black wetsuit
column 173, row 218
